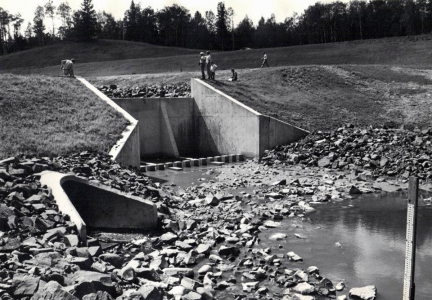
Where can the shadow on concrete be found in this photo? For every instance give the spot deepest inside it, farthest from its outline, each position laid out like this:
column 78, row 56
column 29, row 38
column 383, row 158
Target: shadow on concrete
column 204, row 140
column 103, row 209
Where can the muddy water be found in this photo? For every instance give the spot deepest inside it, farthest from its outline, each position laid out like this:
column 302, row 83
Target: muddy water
column 359, row 241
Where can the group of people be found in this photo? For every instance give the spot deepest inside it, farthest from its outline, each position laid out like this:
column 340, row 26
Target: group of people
column 206, row 62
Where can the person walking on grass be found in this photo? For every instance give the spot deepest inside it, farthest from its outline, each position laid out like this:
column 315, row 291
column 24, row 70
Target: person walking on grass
column 233, row 76
column 67, row 67
column 202, row 64
column 213, row 70
column 264, row 58
column 208, row 64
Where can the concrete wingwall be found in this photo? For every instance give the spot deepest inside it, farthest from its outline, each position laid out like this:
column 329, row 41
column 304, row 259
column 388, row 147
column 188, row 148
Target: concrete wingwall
column 225, row 125
column 126, row 151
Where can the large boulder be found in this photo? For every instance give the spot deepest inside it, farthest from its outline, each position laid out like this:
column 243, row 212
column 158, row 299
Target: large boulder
column 54, row 291
column 25, row 285
column 365, row 293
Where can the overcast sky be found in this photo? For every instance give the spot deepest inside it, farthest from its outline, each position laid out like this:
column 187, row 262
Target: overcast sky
column 253, row 8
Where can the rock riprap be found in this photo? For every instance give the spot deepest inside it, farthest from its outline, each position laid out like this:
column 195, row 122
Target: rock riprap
column 381, row 151
column 180, row 90
column 207, row 245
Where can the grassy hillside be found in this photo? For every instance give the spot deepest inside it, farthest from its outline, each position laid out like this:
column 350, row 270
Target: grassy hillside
column 102, row 50
column 320, row 97
column 408, row 51
column 43, row 116
column 326, row 97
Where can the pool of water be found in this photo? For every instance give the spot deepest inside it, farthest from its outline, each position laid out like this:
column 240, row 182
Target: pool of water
column 360, row 241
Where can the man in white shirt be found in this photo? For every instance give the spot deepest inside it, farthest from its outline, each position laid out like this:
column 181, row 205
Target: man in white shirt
column 264, row 58
column 67, row 67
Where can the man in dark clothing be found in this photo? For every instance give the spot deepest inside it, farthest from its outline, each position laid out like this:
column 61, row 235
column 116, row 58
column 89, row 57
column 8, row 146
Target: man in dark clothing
column 202, row 64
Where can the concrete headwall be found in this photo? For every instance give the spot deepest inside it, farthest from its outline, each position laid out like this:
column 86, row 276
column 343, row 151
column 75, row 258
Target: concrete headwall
column 164, row 124
column 126, row 151
column 211, row 123
column 225, row 125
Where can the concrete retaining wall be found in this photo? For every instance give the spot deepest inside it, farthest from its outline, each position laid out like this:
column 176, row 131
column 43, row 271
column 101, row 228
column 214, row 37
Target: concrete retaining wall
column 126, row 151
column 225, row 125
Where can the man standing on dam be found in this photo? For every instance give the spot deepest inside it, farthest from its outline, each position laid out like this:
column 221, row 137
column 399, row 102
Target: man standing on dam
column 208, row 63
column 202, row 64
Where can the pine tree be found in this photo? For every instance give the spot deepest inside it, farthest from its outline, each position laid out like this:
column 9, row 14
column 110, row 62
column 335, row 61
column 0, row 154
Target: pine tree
column 131, row 22
column 85, row 22
column 39, row 26
column 221, row 26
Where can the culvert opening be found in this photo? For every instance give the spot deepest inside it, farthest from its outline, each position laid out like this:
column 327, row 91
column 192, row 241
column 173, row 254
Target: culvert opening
column 102, row 208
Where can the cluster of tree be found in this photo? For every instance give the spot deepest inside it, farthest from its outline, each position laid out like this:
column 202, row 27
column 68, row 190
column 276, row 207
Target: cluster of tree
column 174, row 25
column 82, row 25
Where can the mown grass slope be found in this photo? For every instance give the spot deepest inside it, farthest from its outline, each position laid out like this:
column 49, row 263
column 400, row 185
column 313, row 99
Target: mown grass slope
column 407, row 51
column 326, row 97
column 47, row 116
column 99, row 51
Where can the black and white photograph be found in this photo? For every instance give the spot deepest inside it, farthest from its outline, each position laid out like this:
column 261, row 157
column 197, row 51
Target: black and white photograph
column 215, row 149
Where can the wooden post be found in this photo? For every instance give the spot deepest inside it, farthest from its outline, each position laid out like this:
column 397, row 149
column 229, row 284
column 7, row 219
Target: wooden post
column 409, row 285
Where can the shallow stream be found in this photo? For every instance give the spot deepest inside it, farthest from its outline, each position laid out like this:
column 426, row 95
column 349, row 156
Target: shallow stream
column 360, row 241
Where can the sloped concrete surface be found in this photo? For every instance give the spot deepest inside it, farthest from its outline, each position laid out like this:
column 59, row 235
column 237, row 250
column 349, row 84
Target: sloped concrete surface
column 91, row 204
column 127, row 149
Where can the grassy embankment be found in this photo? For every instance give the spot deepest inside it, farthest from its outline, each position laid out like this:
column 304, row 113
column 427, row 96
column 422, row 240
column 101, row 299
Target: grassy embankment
column 47, row 116
column 326, row 97
column 321, row 97
column 314, row 86
column 113, row 58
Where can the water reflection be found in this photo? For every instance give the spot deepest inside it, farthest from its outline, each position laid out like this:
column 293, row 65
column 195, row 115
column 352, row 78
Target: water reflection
column 372, row 235
column 370, row 231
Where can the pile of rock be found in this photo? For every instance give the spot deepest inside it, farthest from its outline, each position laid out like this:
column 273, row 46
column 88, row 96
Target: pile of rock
column 179, row 90
column 42, row 257
column 384, row 152
column 41, row 253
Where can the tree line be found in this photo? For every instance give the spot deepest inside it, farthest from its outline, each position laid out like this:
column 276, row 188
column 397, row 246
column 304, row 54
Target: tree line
column 175, row 26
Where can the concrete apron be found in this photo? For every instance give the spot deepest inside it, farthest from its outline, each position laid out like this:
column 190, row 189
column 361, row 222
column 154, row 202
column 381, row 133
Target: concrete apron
column 91, row 204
